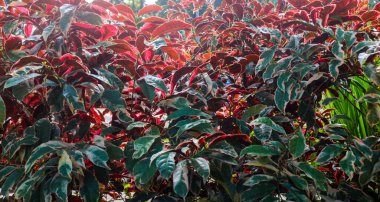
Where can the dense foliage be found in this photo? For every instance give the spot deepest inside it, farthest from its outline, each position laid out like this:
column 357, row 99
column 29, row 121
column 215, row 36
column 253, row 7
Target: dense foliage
column 219, row 100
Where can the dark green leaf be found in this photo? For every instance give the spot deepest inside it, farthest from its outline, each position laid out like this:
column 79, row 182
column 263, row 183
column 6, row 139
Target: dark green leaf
column 252, row 111
column 202, row 167
column 297, row 144
column 47, row 31
column 267, row 121
column 19, row 79
column 318, row 177
column 265, row 58
column 263, row 132
column 43, row 130
column 143, row 171
column 364, row 149
column 55, row 99
column 258, row 178
column 71, row 94
column 67, row 13
column 333, row 67
column 155, row 82
column 4, row 172
column 113, row 100
column 187, row 111
column 180, row 179
column 2, row 112
column 299, row 182
column 347, row 164
column 137, row 124
column 65, row 166
column 41, row 151
column 362, row 45
column 176, row 102
column 114, row 152
column 147, row 90
column 142, row 145
column 336, row 49
column 89, row 187
column 10, row 181
column 90, row 17
column 350, row 38
column 259, row 150
column 257, row 191
column 329, row 152
column 166, row 164
column 97, row 155
column 59, row 186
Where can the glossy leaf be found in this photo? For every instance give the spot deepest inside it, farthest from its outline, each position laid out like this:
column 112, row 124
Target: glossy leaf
column 297, row 144
column 166, row 164
column 181, row 179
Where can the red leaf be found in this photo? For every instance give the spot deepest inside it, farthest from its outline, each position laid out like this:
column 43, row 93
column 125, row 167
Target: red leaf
column 178, row 75
column 298, row 3
column 28, row 59
column 140, row 43
column 108, row 31
column 235, row 68
column 171, row 52
column 154, row 19
column 28, row 29
column 125, row 11
column 105, row 4
column 370, row 15
column 149, row 9
column 170, row 26
column 13, row 42
column 122, row 46
column 238, row 10
column 377, row 7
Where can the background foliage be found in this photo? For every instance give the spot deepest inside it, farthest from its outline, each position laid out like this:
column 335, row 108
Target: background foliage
column 224, row 100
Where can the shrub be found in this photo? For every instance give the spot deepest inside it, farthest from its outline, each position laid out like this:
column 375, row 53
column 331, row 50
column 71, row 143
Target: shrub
column 192, row 100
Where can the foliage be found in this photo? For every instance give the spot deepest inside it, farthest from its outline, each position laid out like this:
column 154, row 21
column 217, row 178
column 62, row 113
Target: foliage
column 193, row 100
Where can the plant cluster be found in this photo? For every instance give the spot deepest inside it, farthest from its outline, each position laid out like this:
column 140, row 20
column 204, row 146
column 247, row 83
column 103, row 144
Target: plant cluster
column 220, row 100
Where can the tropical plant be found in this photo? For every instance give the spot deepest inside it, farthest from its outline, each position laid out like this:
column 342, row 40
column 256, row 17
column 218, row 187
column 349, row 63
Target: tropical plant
column 196, row 100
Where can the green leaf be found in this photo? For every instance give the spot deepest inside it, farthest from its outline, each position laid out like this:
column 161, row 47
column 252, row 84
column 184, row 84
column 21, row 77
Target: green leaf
column 89, row 187
column 281, row 99
column 59, row 186
column 336, row 49
column 258, row 178
column 267, row 121
column 4, row 172
column 43, row 130
column 25, row 188
column 147, row 90
column 371, row 98
column 143, row 171
column 114, row 152
column 3, row 113
column 363, row 148
column 299, row 182
column 318, row 177
column 155, row 82
column 90, row 17
column 373, row 114
column 97, row 156
column 257, row 191
column 9, row 27
column 297, row 144
column 334, row 67
column 113, row 100
column 142, row 145
column 339, row 34
column 362, row 45
column 202, row 167
column 47, row 31
column 67, row 13
column 329, row 152
column 259, row 150
column 265, row 58
column 187, row 111
column 347, row 164
column 10, row 181
column 350, row 38
column 283, row 79
column 55, row 99
column 252, row 111
column 176, row 102
column 262, row 132
column 65, row 166
column 180, row 179
column 191, row 124
column 166, row 164
column 137, row 124
column 42, row 150
column 19, row 79
column 224, row 148
column 71, row 94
